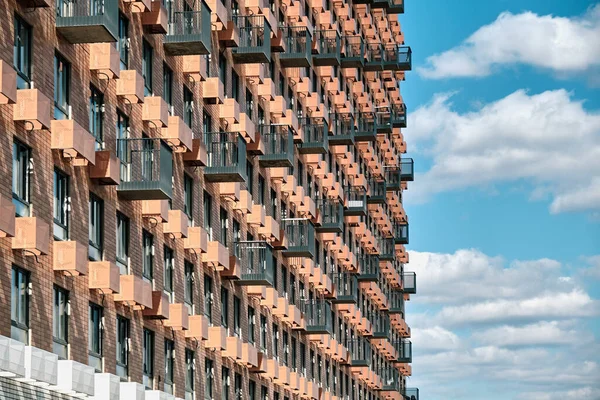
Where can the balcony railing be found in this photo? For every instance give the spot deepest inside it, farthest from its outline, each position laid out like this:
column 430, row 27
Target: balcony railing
column 365, row 127
column 407, row 167
column 298, row 44
column 387, row 249
column 399, row 115
column 255, row 40
column 146, row 169
column 279, row 146
column 346, row 287
column 390, row 378
column 189, row 32
column 226, row 157
column 332, row 216
column 315, row 132
column 404, row 349
column 396, row 7
column 401, row 233
column 300, row 234
column 377, row 191
column 317, row 315
column 396, row 298
column 341, row 129
column 381, row 325
column 256, row 263
column 87, row 21
column 410, row 393
column 354, row 52
column 360, row 352
column 368, row 266
column 328, row 48
column 409, row 280
column 392, row 179
column 380, row 4
column 374, row 61
column 404, row 58
column 356, row 202
column 383, row 120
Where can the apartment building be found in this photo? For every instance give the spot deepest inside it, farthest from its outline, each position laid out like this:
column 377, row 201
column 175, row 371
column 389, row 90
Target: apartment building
column 236, row 171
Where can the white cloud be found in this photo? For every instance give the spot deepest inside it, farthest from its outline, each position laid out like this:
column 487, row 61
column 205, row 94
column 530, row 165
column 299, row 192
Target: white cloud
column 435, row 338
column 548, row 139
column 543, row 333
column 560, row 44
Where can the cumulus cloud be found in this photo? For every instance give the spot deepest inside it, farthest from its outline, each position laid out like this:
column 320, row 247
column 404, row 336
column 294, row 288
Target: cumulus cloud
column 542, row 333
column 434, row 338
column 548, row 139
column 559, row 44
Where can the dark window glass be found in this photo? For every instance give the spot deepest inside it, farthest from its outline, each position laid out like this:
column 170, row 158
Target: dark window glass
column 188, row 197
column 96, row 113
column 188, row 107
column 21, row 170
column 224, row 217
column 22, row 52
column 148, row 255
column 61, row 206
column 169, row 271
column 122, row 347
column 19, row 305
column 209, row 375
column 189, row 285
column 251, row 324
column 60, row 323
column 169, row 365
column 208, row 297
column 189, row 374
column 148, row 359
column 95, row 337
column 96, row 229
column 123, row 243
column 208, row 215
column 123, row 42
column 147, row 60
column 168, row 85
column 224, row 307
column 62, row 83
column 237, row 317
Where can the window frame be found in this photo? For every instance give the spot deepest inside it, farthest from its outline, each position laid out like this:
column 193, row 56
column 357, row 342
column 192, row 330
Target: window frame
column 21, row 178
column 209, row 377
column 60, row 322
column 169, row 377
column 62, row 86
column 20, row 303
column 95, row 347
column 169, row 272
column 61, row 194
column 123, row 333
column 188, row 197
column 147, row 67
column 251, row 325
column 96, row 116
column 22, row 51
column 168, row 85
column 208, row 297
column 190, row 371
column 188, row 107
column 148, row 358
column 224, row 225
column 123, row 42
column 122, row 243
column 96, row 207
column 188, row 288
column 147, row 257
column 224, row 307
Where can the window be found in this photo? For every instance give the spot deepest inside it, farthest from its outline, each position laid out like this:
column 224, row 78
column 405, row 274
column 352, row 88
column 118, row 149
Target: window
column 148, row 255
column 303, row 358
column 235, row 85
column 294, row 355
column 275, row 332
column 169, row 364
column 22, row 52
column 95, row 337
column 169, row 261
column 96, row 113
column 225, row 383
column 62, row 82
column 264, row 392
column 284, row 283
column 251, row 324
column 123, row 42
column 224, row 307
column 188, row 196
column 61, row 206
column 238, row 387
column 224, row 217
column 147, row 60
column 223, row 69
column 60, row 323
column 208, row 297
column 252, row 389
column 237, row 236
column 148, row 359
column 250, row 174
column 96, row 228
column 274, row 203
column 206, row 122
column 188, row 107
column 286, row 347
column 292, row 288
column 209, row 378
column 122, row 347
column 249, row 103
column 237, row 311
column 122, row 147
column 189, row 286
column 168, row 85
column 123, row 243
column 21, row 169
column 189, row 374
column 263, row 332
column 261, row 190
column 208, row 215
column 19, row 305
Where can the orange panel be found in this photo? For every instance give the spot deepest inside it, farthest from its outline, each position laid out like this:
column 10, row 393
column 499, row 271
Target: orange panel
column 31, row 235
column 71, row 257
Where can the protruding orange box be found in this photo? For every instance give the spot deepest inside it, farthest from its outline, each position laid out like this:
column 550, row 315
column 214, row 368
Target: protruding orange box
column 105, row 60
column 8, row 83
column 135, row 293
column 230, row 191
column 266, row 89
column 32, row 235
column 218, row 14
column 104, row 276
column 156, row 20
column 130, row 86
column 71, row 257
column 213, row 90
column 74, row 141
column 34, row 108
column 198, row 156
column 7, row 217
column 138, row 6
column 178, row 317
column 178, row 135
column 233, row 348
column 278, row 106
column 195, row 67
column 216, row 255
column 257, row 216
column 230, row 111
column 245, row 127
column 106, row 168
column 160, row 305
column 197, row 240
column 244, row 204
column 198, row 327
column 177, row 226
column 156, row 210
column 217, row 338
column 249, row 355
column 155, row 111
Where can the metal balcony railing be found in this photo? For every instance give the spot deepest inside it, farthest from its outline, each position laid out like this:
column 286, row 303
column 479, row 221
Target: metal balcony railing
column 396, row 7
column 392, row 179
column 356, row 202
column 360, row 351
column 256, row 263
column 409, row 281
column 387, row 249
column 401, row 233
column 354, row 52
column 332, row 215
column 189, row 32
column 399, row 115
column 327, row 46
column 298, row 44
column 365, row 130
column 410, row 393
column 315, row 135
column 381, row 325
column 88, row 21
column 396, row 299
column 341, row 129
column 317, row 315
column 383, row 120
column 375, row 57
column 407, row 168
column 368, row 267
column 146, row 169
column 345, row 286
column 255, row 40
column 279, row 146
column 404, row 349
column 300, row 233
column 404, row 58
column 377, row 191
column 390, row 378
column 226, row 157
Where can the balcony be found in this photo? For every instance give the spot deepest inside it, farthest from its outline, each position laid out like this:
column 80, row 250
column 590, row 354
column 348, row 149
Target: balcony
column 368, row 265
column 341, row 129
column 381, row 325
column 377, row 191
column 360, row 351
column 332, row 216
column 356, row 202
column 392, row 179
column 407, row 168
column 383, row 120
column 396, row 7
column 278, row 146
column 254, row 263
column 135, row 292
column 327, row 44
column 146, row 169
column 404, row 349
column 298, row 43
column 226, row 157
column 353, row 55
column 315, row 135
column 345, row 288
column 378, row 4
column 387, row 249
column 93, row 21
column 399, row 115
column 410, row 393
column 255, row 40
column 189, row 32
column 401, row 233
column 390, row 378
column 397, row 58
column 396, row 300
column 374, row 61
column 317, row 314
column 300, row 233
column 365, row 130
column 409, row 282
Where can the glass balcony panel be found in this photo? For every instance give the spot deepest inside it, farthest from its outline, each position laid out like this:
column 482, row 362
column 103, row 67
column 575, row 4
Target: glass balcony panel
column 315, row 135
column 255, row 260
column 368, row 265
column 255, row 40
column 300, row 234
column 341, row 130
column 279, row 146
column 298, row 44
column 87, row 21
column 189, row 32
column 225, row 157
column 328, row 49
column 317, row 315
column 332, row 216
column 377, row 191
column 365, row 130
column 354, row 52
column 346, row 288
column 407, row 168
column 356, row 202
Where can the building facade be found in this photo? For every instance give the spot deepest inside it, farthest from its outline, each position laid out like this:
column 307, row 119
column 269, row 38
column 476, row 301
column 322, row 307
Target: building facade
column 235, row 169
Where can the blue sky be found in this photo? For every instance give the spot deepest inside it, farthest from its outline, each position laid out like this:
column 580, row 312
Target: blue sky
column 504, row 127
